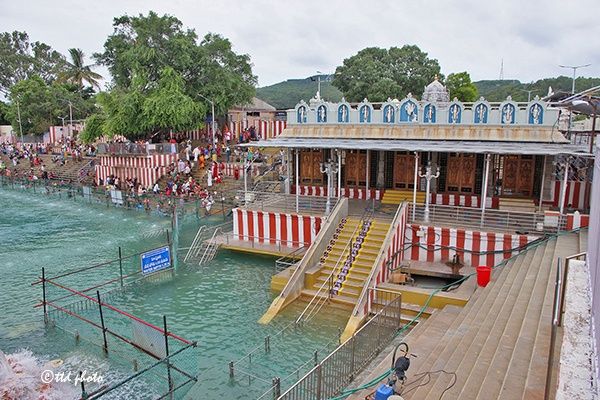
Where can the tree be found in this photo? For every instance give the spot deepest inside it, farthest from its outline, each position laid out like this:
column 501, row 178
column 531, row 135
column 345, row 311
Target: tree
column 94, row 128
column 142, row 48
column 4, row 114
column 20, row 59
column 459, row 86
column 77, row 72
column 41, row 104
column 168, row 107
column 379, row 74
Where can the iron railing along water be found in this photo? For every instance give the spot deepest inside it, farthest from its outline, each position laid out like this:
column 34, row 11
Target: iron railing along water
column 292, row 258
column 286, row 202
column 336, row 371
column 318, row 299
column 94, row 317
column 490, row 218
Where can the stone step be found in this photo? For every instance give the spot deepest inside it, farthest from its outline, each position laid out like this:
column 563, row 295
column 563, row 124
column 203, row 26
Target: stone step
column 486, row 342
column 500, row 279
column 535, row 383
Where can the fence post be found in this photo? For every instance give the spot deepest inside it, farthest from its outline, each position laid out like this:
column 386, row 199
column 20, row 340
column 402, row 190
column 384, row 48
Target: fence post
column 121, row 266
column 44, row 295
column 84, row 394
column 102, row 322
column 167, row 354
column 319, row 379
column 276, row 387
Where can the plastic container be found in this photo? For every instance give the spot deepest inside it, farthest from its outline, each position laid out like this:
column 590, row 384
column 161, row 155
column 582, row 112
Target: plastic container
column 384, row 392
column 484, row 275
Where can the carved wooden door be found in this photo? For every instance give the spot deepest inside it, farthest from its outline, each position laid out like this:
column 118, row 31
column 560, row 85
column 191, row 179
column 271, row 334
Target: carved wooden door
column 356, row 169
column 460, row 174
column 517, row 176
column 310, row 169
column 404, row 171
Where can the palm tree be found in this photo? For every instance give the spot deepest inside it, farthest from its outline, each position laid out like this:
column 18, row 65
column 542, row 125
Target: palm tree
column 77, row 73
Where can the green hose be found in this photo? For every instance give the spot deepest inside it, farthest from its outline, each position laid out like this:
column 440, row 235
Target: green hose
column 374, row 381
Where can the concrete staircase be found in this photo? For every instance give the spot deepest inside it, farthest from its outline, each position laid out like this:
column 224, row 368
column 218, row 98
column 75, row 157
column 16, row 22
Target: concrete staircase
column 361, row 267
column 516, row 204
column 398, row 196
column 498, row 344
column 68, row 172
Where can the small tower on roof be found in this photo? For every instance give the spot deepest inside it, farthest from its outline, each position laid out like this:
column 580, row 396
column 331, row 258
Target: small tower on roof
column 437, row 93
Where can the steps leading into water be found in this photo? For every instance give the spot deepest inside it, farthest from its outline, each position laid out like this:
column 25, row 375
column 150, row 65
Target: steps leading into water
column 398, row 196
column 352, row 285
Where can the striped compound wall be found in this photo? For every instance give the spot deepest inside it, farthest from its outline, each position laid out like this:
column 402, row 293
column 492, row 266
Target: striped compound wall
column 147, row 169
column 577, row 220
column 440, row 244
column 351, row 193
column 290, row 230
column 577, row 195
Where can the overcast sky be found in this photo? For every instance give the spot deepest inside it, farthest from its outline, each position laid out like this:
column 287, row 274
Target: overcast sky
column 294, row 39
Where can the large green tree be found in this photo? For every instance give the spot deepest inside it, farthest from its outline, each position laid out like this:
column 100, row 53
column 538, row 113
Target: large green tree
column 40, row 105
column 378, row 74
column 150, row 48
column 20, row 59
column 459, row 86
column 77, row 73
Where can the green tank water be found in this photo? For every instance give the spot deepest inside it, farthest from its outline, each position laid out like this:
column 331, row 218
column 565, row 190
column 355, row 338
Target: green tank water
column 217, row 305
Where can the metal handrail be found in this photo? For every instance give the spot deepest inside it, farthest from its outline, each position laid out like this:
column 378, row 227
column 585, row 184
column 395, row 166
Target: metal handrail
column 194, row 248
column 211, row 248
column 333, row 271
column 560, row 287
column 377, row 260
column 320, row 386
column 563, row 288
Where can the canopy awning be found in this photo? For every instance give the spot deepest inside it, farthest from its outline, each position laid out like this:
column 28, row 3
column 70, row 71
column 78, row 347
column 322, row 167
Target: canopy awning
column 505, row 147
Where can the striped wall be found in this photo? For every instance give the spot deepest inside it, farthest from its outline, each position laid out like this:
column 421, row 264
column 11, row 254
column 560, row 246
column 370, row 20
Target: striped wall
column 463, row 200
column 577, row 195
column 290, row 230
column 435, row 244
column 147, row 169
column 577, row 220
column 351, row 193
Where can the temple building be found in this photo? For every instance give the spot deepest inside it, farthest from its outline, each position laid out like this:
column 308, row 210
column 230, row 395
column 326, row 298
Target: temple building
column 510, row 154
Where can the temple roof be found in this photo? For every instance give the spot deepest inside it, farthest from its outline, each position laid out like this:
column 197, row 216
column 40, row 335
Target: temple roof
column 477, row 147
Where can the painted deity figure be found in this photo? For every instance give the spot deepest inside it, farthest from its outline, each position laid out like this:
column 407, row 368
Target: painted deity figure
column 344, row 113
column 481, row 113
column 322, row 114
column 507, row 114
column 388, row 114
column 430, row 113
column 536, row 111
column 454, row 113
column 302, row 114
column 365, row 113
column 410, row 110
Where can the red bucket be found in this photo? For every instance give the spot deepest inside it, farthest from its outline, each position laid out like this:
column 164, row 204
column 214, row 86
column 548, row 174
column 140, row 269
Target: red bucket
column 483, row 275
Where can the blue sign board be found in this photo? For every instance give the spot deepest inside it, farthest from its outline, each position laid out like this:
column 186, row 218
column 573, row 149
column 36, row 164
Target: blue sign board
column 156, row 260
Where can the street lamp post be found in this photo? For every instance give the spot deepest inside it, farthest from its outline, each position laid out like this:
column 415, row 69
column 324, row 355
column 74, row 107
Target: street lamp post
column 212, row 107
column 574, row 68
column 20, row 124
column 429, row 176
column 330, row 168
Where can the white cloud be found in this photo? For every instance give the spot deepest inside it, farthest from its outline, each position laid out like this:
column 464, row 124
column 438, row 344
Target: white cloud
column 294, row 39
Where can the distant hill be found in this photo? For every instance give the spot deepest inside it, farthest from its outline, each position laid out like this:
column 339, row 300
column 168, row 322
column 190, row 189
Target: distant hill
column 287, row 94
column 284, row 95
